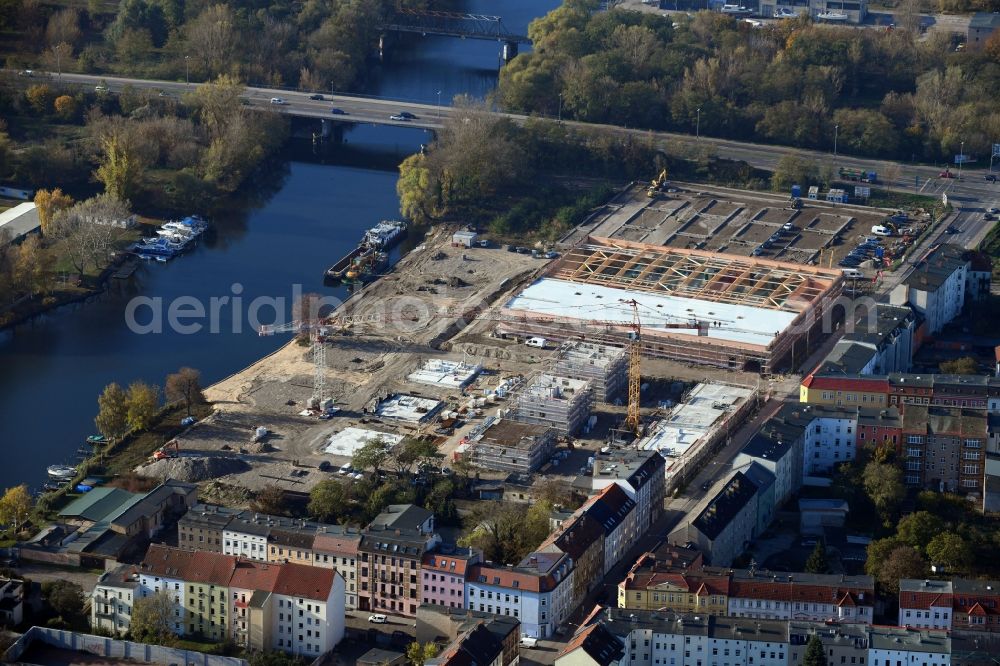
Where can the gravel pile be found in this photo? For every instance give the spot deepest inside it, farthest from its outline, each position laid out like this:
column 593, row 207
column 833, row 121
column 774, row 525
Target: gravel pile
column 194, row 469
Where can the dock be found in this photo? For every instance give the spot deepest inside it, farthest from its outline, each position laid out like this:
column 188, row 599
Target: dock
column 126, row 270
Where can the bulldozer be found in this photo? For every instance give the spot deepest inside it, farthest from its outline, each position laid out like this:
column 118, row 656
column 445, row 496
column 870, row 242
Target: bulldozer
column 657, row 184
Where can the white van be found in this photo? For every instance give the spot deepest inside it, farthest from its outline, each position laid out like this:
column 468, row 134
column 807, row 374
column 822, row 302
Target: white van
column 879, row 230
column 535, row 342
column 853, row 273
column 378, row 618
column 528, row 641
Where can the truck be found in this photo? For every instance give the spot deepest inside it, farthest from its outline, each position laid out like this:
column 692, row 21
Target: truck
column 858, row 175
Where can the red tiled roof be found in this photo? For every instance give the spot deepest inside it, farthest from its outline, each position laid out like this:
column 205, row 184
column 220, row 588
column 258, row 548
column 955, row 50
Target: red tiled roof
column 440, row 562
column 785, row 591
column 250, row 575
column 210, row 568
column 300, row 580
column 165, row 561
column 924, row 600
column 829, row 383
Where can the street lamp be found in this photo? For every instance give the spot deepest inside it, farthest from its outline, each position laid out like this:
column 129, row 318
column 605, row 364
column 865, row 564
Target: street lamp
column 697, row 126
column 187, row 70
column 560, row 107
column 439, row 98
column 961, row 159
column 836, row 133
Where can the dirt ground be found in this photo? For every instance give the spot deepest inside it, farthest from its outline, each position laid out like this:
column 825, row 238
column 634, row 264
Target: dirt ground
column 410, row 312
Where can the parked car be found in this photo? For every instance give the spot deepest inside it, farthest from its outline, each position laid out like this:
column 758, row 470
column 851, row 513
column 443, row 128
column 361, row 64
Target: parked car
column 101, row 88
column 707, row 485
column 991, row 177
column 378, row 618
column 316, row 96
column 946, row 174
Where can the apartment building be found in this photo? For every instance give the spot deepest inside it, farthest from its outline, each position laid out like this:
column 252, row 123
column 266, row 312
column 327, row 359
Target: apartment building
column 829, row 439
column 650, row 638
column 801, row 596
column 603, row 367
column 336, row 547
column 838, row 390
column 538, row 591
column 560, row 403
column 944, row 447
column 778, row 448
column 726, row 525
column 878, row 427
column 581, row 538
column 201, row 527
column 443, row 576
column 881, row 341
column 751, row 593
column 936, row 287
column 391, row 551
column 11, row 601
column 493, row 642
column 112, row 599
column 641, row 475
column 290, row 607
column 614, row 511
column 959, row 604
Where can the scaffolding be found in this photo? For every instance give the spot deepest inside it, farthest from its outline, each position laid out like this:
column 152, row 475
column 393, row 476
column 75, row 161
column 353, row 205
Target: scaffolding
column 508, row 446
column 560, row 403
column 602, row 366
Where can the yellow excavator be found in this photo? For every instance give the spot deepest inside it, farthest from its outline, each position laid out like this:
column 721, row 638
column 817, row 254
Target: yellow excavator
column 657, row 184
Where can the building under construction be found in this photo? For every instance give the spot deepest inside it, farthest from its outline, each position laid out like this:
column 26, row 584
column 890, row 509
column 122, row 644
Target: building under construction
column 558, row 402
column 604, row 367
column 762, row 315
column 509, row 446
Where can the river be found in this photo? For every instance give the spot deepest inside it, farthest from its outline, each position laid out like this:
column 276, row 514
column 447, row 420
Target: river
column 53, row 368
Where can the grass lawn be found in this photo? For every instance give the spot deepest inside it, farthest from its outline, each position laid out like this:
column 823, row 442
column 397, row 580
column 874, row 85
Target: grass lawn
column 132, row 452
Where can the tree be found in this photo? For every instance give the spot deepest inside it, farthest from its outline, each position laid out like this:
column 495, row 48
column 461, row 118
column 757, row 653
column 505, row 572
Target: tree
column 184, row 386
column 328, row 501
column 30, row 265
column 66, row 107
column 271, row 499
column 40, row 98
column 63, row 27
column 817, row 562
column 966, row 365
column 794, row 170
column 949, row 550
column 918, row 528
column 884, row 484
column 152, row 619
column 112, row 414
column 419, row 654
column 372, row 454
column 507, row 532
column 890, row 560
column 415, row 189
column 273, row 658
column 118, row 170
column 143, row 402
column 15, row 506
column 815, row 654
column 65, row 598
column 414, row 451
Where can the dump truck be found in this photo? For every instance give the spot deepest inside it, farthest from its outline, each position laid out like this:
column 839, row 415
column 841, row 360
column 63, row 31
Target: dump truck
column 858, row 175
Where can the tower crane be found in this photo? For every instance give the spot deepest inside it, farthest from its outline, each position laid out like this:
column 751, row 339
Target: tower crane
column 633, row 421
column 319, row 329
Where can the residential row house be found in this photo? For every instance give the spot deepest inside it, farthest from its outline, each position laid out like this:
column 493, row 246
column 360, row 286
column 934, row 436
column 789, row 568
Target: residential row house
column 294, row 608
column 267, row 538
column 391, row 553
column 112, row 599
column 648, row 638
column 443, row 573
column 959, row 604
column 655, row 584
column 492, row 642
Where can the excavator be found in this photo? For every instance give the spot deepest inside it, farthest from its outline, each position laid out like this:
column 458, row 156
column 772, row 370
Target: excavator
column 657, row 184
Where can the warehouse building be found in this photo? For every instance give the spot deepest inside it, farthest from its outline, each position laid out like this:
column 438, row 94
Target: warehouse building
column 750, row 313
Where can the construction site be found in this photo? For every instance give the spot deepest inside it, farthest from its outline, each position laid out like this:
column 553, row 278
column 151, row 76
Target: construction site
column 696, row 216
column 701, row 307
column 515, row 362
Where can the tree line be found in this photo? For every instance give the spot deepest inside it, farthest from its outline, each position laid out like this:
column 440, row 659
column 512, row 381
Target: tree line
column 875, row 92
column 313, row 44
column 120, row 411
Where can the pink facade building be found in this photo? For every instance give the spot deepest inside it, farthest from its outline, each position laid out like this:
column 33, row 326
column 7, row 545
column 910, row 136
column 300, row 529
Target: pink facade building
column 443, row 577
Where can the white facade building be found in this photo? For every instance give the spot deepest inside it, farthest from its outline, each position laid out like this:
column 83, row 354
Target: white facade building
column 112, row 599
column 308, row 625
column 828, row 440
column 937, row 286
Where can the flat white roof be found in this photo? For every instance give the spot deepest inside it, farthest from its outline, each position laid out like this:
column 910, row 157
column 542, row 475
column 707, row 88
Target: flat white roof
column 407, row 408
column 349, row 440
column 689, row 421
column 576, row 300
column 447, row 374
column 20, row 220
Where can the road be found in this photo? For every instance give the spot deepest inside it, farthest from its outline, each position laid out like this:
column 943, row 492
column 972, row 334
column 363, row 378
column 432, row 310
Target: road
column 972, row 191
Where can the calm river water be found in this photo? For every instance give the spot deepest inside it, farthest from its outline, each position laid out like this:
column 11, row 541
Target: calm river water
column 52, row 369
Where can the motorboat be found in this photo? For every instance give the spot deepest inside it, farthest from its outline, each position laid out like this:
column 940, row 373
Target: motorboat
column 97, row 440
column 832, row 16
column 785, row 13
column 385, row 234
column 739, row 10
column 61, row 472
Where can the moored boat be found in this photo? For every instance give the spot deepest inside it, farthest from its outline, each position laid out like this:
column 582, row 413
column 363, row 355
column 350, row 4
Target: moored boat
column 61, row 472
column 95, row 440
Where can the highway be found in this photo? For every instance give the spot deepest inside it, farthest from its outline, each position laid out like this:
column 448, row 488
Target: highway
column 971, row 196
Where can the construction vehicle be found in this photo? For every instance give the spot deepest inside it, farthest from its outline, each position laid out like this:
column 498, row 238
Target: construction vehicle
column 164, row 452
column 657, row 184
